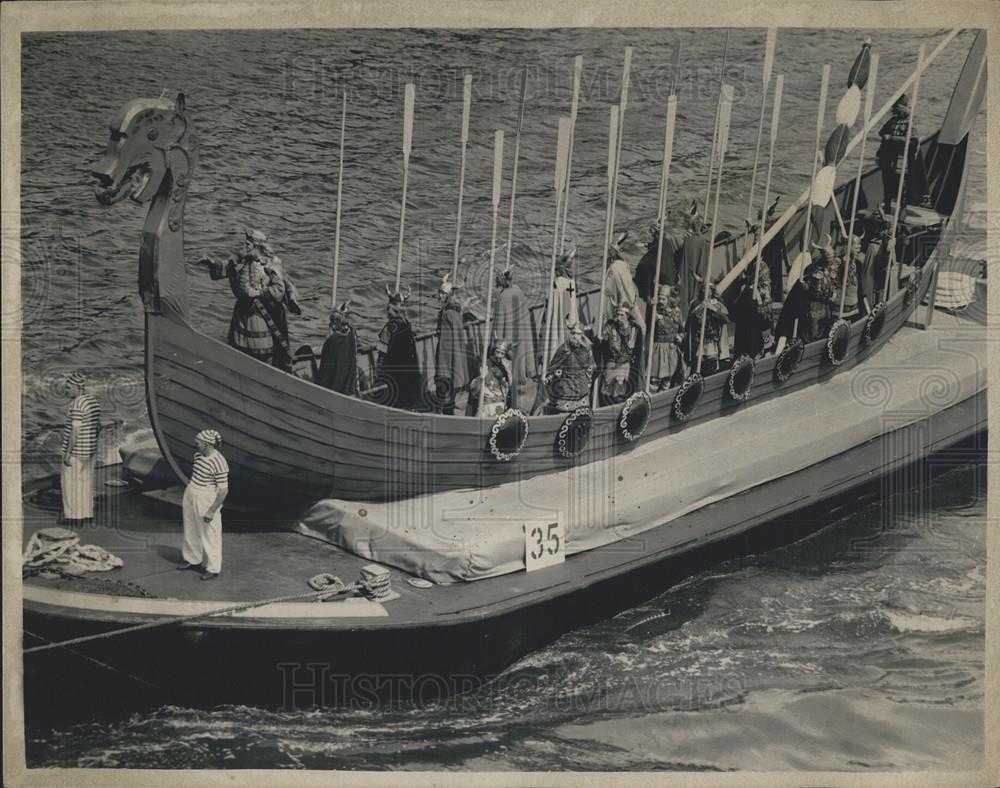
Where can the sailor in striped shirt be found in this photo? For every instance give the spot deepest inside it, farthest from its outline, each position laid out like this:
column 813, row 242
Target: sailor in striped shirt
column 79, row 452
column 202, row 506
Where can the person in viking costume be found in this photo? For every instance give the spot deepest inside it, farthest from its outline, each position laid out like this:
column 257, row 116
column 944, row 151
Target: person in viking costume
column 889, row 158
column 622, row 354
column 338, row 363
column 692, row 262
column 619, row 284
column 775, row 254
column 497, row 396
column 275, row 268
column 398, row 373
column 667, row 364
column 512, row 324
column 563, row 306
column 822, row 278
column 567, row 382
column 202, row 507
column 751, row 312
column 451, row 362
column 645, row 270
column 257, row 327
column 716, row 345
column 855, row 266
column 79, row 453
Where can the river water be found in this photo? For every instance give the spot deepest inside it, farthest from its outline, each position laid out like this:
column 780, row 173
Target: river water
column 824, row 654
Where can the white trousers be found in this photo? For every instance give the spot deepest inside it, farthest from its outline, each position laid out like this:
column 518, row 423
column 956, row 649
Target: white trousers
column 202, row 541
column 77, row 482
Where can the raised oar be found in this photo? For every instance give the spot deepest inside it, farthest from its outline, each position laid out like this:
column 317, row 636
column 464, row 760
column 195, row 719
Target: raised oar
column 497, row 176
column 466, row 105
column 772, row 34
column 626, row 74
column 661, row 215
column 869, row 100
column 779, row 87
column 902, row 181
column 560, row 181
column 340, row 183
column 725, row 114
column 407, row 145
column 513, row 176
column 612, row 146
column 801, row 260
column 800, row 201
column 577, row 72
column 715, row 127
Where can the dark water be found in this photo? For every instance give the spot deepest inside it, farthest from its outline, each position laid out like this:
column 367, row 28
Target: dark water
column 820, row 655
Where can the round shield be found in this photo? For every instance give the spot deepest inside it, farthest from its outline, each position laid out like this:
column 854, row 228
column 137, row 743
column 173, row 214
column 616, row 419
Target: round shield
column 687, row 396
column 508, row 435
column 826, row 179
column 741, row 378
column 789, row 359
column 836, row 145
column 574, row 433
column 849, row 106
column 838, row 342
column 635, row 415
column 874, row 323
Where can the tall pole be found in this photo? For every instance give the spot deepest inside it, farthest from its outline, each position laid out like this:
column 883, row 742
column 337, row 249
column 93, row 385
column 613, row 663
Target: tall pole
column 466, row 106
column 574, row 107
column 513, row 176
column 497, row 176
column 824, row 84
column 626, row 73
column 715, row 128
column 560, row 181
column 613, row 133
column 725, row 114
column 661, row 215
column 772, row 34
column 902, row 179
column 340, row 184
column 779, row 87
column 407, row 145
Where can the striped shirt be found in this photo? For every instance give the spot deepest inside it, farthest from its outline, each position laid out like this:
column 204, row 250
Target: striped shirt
column 85, row 413
column 210, row 471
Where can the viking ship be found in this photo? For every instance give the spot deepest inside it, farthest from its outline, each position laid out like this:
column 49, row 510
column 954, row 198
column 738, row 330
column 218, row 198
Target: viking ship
column 286, row 434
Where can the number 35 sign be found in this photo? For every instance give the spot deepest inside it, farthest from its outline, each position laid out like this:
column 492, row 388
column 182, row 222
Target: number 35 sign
column 544, row 545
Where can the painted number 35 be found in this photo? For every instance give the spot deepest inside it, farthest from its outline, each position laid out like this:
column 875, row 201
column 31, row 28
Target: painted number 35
column 544, row 545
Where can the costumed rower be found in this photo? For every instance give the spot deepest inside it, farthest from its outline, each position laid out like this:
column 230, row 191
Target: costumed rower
column 667, row 364
column 564, row 305
column 567, row 382
column 716, row 345
column 512, row 324
column 775, row 254
column 497, row 397
column 622, row 354
column 692, row 261
column 645, row 270
column 398, row 370
column 889, row 158
column 338, row 364
column 202, row 506
column 822, row 281
column 751, row 312
column 619, row 285
column 79, row 453
column 451, row 364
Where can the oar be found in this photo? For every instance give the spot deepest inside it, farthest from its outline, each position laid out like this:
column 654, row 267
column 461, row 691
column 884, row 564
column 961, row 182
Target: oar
column 513, row 176
column 407, row 145
column 725, row 114
column 902, row 180
column 340, row 183
column 560, row 180
column 612, row 146
column 772, row 34
column 577, row 71
column 466, row 105
column 803, row 257
column 497, row 177
column 779, row 87
column 715, row 128
column 626, row 74
column 869, row 100
column 668, row 153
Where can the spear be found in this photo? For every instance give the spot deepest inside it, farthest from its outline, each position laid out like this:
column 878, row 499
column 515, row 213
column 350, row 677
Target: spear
column 715, row 132
column 466, row 105
column 407, row 145
column 725, row 113
column 902, row 178
column 497, row 176
column 779, row 86
column 577, row 71
column 513, row 177
column 560, row 181
column 772, row 34
column 340, row 183
column 869, row 100
column 668, row 152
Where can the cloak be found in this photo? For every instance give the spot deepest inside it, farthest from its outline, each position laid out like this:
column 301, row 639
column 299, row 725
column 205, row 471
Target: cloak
column 691, row 266
column 512, row 323
column 338, row 363
column 796, row 307
column 775, row 256
column 399, row 369
column 619, row 287
column 451, row 362
column 564, row 298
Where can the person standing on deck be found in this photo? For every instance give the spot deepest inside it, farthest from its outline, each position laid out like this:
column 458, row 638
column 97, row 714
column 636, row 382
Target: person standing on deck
column 567, row 382
column 512, row 324
column 822, row 279
column 667, row 366
column 619, row 285
column 338, row 364
column 202, row 507
column 275, row 269
column 645, row 270
column 79, row 453
column 692, row 261
column 889, row 158
column 751, row 311
column 563, row 306
column 775, row 255
column 716, row 345
column 497, row 397
column 622, row 354
column 397, row 369
column 451, row 362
